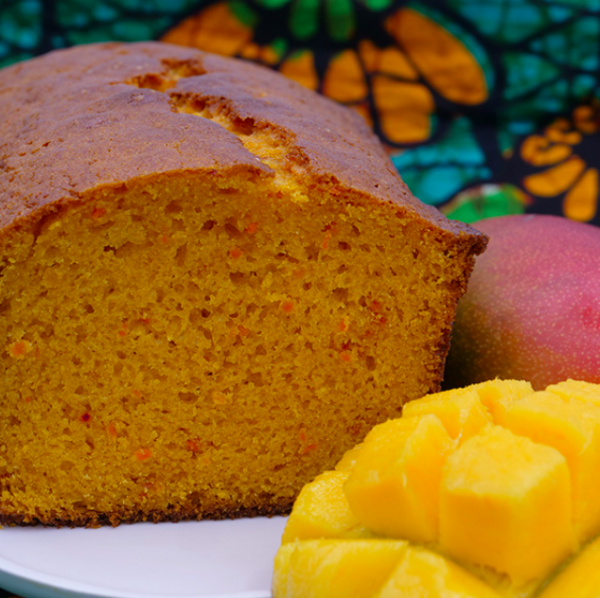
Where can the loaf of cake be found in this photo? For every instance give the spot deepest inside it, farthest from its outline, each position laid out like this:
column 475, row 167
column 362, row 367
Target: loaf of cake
column 212, row 284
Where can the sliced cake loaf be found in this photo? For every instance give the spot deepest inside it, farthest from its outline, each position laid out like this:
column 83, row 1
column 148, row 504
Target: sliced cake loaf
column 212, row 284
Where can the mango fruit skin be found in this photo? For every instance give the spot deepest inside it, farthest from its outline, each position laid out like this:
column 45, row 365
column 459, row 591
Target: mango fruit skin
column 532, row 308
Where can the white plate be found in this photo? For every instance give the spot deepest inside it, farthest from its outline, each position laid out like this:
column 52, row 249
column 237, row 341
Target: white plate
column 217, row 559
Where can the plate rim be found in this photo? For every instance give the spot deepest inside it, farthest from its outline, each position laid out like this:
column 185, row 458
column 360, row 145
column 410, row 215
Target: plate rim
column 30, row 578
column 15, row 578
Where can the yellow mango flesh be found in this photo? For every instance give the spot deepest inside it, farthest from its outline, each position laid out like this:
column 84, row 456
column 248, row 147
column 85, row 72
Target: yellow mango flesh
column 511, row 500
column 496, row 394
column 577, row 390
column 505, row 504
column 425, row 574
column 281, row 570
column 465, row 411
column 322, row 511
column 393, row 487
column 334, row 568
column 348, row 459
column 572, row 427
column 580, row 578
column 379, row 568
column 463, row 415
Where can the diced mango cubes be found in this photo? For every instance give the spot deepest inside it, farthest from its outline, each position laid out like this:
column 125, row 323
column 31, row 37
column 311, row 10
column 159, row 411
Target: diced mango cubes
column 463, row 415
column 576, row 390
column 393, row 487
column 425, row 574
column 497, row 484
column 322, row 511
column 379, row 568
column 580, row 578
column 505, row 502
column 573, row 428
column 335, row 568
column 496, row 395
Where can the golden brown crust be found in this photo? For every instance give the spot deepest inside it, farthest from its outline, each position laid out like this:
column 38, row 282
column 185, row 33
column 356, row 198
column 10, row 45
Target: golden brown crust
column 113, row 121
column 115, row 519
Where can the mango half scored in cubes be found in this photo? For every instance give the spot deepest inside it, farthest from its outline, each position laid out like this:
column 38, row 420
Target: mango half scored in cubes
column 479, row 492
column 505, row 503
column 399, row 469
column 321, row 568
column 382, row 568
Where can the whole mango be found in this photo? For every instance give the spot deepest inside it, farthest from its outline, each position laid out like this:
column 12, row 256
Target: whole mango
column 532, row 309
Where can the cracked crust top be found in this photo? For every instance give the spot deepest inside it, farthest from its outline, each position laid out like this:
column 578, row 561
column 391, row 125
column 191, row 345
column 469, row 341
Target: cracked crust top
column 96, row 116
